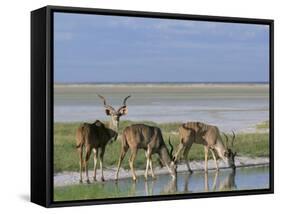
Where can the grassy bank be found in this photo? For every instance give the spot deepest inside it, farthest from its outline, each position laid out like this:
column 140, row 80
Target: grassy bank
column 263, row 125
column 66, row 157
column 84, row 192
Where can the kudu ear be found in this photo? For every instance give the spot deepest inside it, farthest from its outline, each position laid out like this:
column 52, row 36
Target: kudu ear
column 108, row 112
column 123, row 110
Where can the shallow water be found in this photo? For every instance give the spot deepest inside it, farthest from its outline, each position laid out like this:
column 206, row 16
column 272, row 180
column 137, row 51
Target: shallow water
column 241, row 179
column 229, row 107
column 244, row 178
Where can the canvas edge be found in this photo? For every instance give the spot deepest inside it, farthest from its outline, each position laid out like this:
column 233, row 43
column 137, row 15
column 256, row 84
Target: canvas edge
column 38, row 152
column 48, row 202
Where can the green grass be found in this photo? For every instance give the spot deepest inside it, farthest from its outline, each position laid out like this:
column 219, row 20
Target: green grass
column 66, row 157
column 96, row 191
column 263, row 125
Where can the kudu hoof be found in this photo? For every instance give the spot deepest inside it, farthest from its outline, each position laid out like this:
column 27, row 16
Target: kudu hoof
column 94, row 179
column 190, row 171
column 80, row 181
column 102, row 179
column 88, row 181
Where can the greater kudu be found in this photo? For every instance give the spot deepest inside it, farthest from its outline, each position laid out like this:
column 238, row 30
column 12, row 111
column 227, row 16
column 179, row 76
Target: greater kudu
column 149, row 138
column 96, row 136
column 208, row 136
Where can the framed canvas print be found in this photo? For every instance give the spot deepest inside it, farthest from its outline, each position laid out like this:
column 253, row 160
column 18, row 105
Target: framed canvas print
column 134, row 106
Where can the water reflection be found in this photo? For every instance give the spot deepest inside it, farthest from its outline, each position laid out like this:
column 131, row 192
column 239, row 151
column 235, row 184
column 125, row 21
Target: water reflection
column 149, row 187
column 224, row 180
column 227, row 183
column 244, row 178
column 170, row 187
column 185, row 183
column 174, row 185
column 212, row 182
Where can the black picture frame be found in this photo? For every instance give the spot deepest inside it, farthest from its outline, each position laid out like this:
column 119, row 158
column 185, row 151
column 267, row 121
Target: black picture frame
column 42, row 104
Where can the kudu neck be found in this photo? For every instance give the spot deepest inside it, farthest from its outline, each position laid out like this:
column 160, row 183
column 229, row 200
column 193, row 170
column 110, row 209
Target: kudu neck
column 220, row 149
column 164, row 155
column 113, row 125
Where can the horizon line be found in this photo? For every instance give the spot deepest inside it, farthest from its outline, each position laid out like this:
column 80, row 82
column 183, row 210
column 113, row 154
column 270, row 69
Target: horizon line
column 220, row 82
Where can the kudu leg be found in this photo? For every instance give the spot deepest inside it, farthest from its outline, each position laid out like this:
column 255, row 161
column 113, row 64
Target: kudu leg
column 148, row 163
column 122, row 156
column 101, row 163
column 185, row 154
column 131, row 163
column 95, row 150
column 151, row 169
column 88, row 154
column 80, row 152
column 206, row 149
column 215, row 159
column 179, row 150
column 146, row 169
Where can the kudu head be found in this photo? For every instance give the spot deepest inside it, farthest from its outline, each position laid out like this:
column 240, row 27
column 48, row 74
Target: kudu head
column 115, row 115
column 229, row 155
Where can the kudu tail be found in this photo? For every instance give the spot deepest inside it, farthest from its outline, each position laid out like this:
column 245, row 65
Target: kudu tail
column 80, row 141
column 80, row 137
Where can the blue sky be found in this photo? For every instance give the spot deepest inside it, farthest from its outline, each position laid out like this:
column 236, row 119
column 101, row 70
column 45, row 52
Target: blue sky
column 96, row 48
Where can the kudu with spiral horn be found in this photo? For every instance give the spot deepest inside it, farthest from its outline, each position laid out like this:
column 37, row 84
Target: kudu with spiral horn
column 115, row 115
column 229, row 151
column 95, row 136
column 206, row 135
